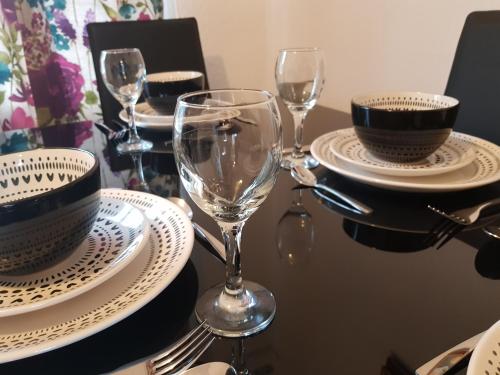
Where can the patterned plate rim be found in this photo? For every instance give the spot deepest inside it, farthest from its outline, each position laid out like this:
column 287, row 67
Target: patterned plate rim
column 137, row 199
column 434, row 169
column 474, row 364
column 387, row 182
column 119, row 262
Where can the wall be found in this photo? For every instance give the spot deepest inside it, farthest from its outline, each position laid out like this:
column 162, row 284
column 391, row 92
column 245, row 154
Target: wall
column 369, row 45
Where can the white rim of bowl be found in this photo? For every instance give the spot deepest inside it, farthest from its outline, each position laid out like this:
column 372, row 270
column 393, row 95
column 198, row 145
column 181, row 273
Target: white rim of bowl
column 357, row 100
column 174, row 76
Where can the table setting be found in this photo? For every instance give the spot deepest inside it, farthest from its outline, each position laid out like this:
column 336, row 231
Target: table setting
column 375, row 192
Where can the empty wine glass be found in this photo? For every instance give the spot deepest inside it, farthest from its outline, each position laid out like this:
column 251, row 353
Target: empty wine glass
column 299, row 77
column 228, row 147
column 123, row 72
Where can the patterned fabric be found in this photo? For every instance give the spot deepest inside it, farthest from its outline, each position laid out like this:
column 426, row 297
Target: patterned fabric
column 46, row 70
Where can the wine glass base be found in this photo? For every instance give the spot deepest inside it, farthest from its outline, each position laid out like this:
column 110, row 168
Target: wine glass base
column 493, row 230
column 129, row 148
column 236, row 317
column 307, row 162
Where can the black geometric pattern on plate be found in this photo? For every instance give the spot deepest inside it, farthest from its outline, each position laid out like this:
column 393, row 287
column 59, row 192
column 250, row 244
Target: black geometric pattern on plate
column 104, row 247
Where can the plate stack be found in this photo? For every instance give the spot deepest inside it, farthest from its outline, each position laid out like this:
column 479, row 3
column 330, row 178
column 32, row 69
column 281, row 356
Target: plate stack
column 146, row 117
column 403, row 141
column 131, row 247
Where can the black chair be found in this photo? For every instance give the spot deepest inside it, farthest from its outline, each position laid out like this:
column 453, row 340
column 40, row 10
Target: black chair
column 165, row 45
column 475, row 76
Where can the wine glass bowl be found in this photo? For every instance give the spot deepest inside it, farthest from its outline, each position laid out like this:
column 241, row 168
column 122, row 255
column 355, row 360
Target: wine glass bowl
column 123, row 72
column 228, row 147
column 299, row 78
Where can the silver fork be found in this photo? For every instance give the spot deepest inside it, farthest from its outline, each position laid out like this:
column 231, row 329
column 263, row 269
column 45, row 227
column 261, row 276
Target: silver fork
column 467, row 215
column 181, row 355
column 454, row 222
column 443, row 232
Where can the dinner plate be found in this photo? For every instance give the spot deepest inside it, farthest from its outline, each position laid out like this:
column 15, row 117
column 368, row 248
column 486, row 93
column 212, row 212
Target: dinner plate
column 484, row 169
column 116, row 237
column 485, row 358
column 167, row 251
column 147, row 117
column 454, row 154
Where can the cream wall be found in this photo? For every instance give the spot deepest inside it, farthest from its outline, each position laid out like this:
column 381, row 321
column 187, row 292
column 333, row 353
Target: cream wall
column 369, row 45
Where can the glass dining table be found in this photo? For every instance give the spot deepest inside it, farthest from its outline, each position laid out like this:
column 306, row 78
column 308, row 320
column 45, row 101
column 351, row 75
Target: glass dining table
column 355, row 294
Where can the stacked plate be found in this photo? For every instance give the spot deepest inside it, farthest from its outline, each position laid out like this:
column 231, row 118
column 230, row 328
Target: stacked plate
column 147, row 117
column 462, row 162
column 137, row 246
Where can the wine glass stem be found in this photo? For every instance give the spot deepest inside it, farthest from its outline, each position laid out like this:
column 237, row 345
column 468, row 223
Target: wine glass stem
column 133, row 137
column 231, row 232
column 137, row 159
column 298, row 121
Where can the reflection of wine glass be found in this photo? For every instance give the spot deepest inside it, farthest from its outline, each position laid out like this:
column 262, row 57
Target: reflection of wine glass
column 300, row 77
column 123, row 72
column 141, row 183
column 295, row 233
column 238, row 360
column 227, row 146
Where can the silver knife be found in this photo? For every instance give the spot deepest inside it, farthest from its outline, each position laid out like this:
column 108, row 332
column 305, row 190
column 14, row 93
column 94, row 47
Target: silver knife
column 447, row 360
column 213, row 245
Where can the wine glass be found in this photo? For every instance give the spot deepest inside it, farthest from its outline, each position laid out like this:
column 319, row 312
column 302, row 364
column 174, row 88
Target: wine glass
column 300, row 77
column 123, row 72
column 228, row 147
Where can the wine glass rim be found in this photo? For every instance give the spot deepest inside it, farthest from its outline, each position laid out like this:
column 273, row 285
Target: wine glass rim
column 267, row 97
column 120, row 50
column 301, row 49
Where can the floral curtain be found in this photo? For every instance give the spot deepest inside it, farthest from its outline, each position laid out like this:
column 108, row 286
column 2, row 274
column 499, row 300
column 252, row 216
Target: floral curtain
column 46, row 70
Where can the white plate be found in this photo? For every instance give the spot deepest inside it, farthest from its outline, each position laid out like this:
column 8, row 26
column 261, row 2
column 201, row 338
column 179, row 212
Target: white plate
column 212, row 368
column 454, row 154
column 484, row 170
column 147, row 117
column 486, row 356
column 169, row 247
column 119, row 233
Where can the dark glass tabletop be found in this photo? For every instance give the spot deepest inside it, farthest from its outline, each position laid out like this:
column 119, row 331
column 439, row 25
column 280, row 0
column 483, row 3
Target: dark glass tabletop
column 355, row 295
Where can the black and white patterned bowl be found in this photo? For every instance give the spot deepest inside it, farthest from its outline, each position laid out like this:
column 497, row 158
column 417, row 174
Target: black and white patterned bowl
column 403, row 126
column 49, row 199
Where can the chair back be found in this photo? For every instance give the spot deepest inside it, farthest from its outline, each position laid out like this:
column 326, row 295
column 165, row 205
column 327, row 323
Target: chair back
column 165, row 45
column 475, row 76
